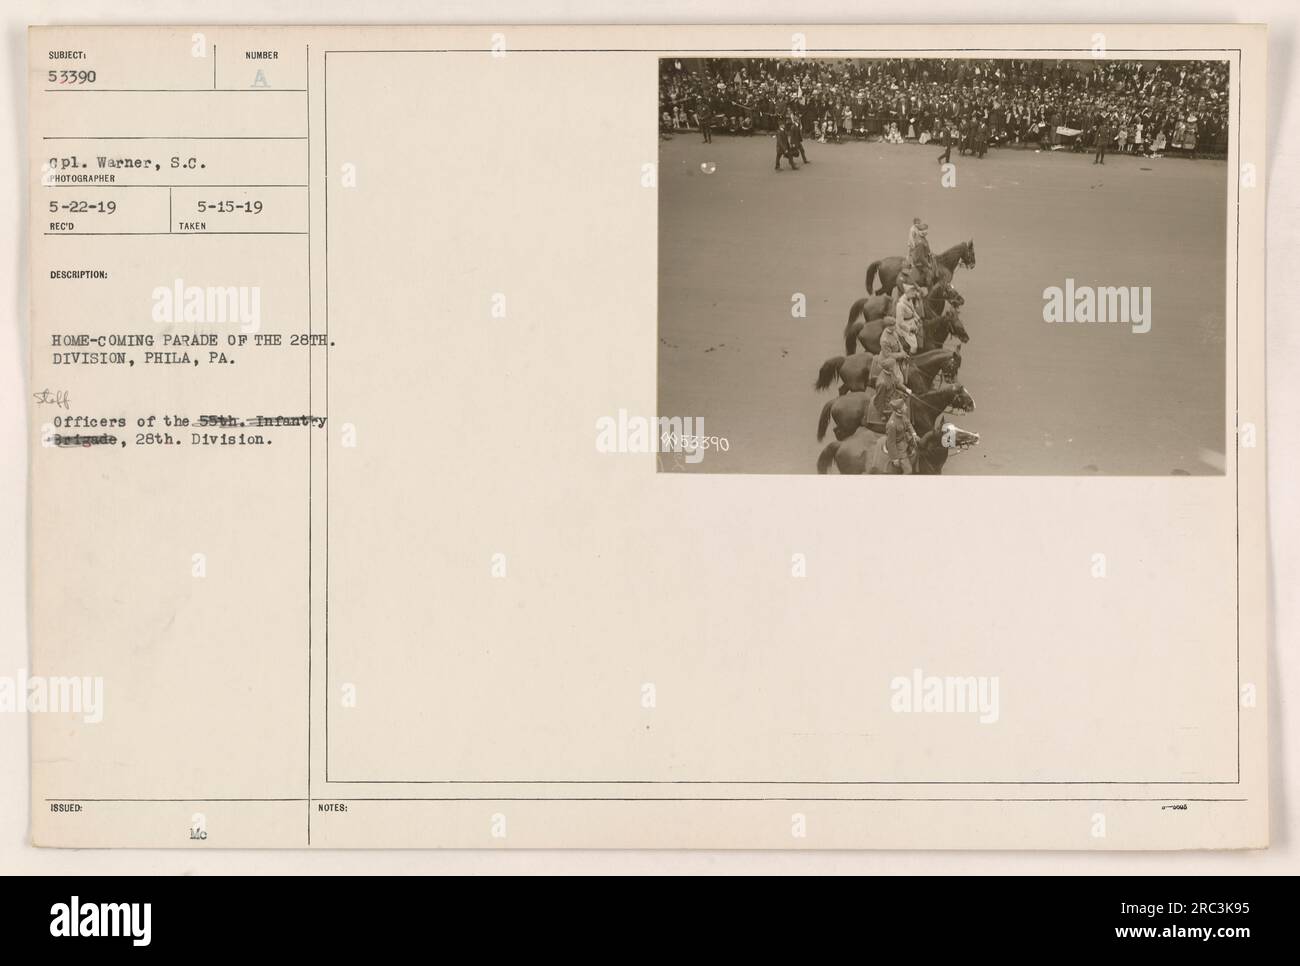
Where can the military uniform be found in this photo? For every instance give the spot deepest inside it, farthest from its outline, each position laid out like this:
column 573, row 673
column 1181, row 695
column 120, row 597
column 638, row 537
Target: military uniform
column 891, row 340
column 1103, row 139
column 796, row 142
column 783, row 149
column 891, row 350
column 947, row 143
column 908, row 314
column 890, row 384
column 900, row 439
column 918, row 252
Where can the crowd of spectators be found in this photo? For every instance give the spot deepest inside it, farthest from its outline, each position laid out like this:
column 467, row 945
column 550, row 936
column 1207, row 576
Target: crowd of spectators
column 1142, row 106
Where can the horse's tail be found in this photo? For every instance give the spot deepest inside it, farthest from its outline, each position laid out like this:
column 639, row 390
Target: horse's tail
column 827, row 457
column 851, row 333
column 830, row 371
column 871, row 277
column 856, row 311
column 824, row 421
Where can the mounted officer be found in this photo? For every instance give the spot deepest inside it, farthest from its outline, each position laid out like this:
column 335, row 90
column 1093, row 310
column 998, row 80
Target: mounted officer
column 888, row 370
column 921, row 264
column 900, row 439
column 907, row 311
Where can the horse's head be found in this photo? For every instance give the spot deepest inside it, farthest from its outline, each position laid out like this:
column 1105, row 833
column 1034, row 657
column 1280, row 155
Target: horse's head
column 946, row 439
column 950, row 368
column 958, row 328
column 942, row 289
column 955, row 439
column 961, row 400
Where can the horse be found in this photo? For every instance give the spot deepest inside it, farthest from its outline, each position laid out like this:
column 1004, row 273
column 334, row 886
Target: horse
column 949, row 368
column 856, row 372
column 851, row 410
column 947, row 323
column 853, row 373
column 923, row 407
column 937, row 298
column 864, row 451
column 869, row 309
column 863, row 333
column 876, row 307
column 930, row 459
column 936, row 329
column 920, row 370
column 926, row 408
column 963, row 253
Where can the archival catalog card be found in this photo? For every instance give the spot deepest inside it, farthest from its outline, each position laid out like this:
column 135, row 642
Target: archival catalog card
column 428, row 432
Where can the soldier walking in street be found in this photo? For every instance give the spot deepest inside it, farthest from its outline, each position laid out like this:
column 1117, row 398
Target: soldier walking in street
column 783, row 148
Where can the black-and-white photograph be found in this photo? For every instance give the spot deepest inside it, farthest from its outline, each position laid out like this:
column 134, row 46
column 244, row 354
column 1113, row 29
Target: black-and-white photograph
column 949, row 265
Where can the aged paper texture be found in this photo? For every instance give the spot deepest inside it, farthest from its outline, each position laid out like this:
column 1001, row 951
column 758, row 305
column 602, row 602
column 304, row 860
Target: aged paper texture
column 429, row 432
